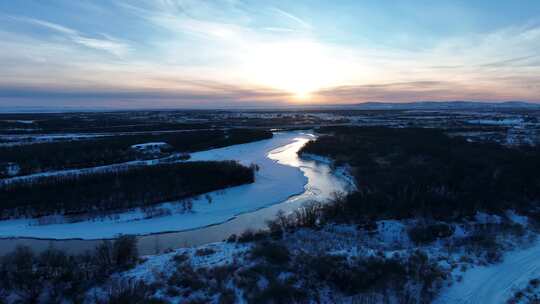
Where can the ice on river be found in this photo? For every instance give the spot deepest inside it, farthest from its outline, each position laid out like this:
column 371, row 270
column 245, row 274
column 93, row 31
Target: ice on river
column 279, row 177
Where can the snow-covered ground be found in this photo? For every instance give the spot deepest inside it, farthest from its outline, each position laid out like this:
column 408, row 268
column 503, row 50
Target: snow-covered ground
column 280, row 176
column 233, row 260
column 495, row 283
column 98, row 169
column 503, row 121
column 223, row 253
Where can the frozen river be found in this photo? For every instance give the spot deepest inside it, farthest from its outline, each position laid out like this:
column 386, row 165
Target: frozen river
column 284, row 182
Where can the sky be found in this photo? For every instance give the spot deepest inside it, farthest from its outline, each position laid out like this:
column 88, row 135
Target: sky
column 228, row 53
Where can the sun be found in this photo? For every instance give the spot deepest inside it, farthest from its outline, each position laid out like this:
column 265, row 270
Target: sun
column 298, row 67
column 302, row 96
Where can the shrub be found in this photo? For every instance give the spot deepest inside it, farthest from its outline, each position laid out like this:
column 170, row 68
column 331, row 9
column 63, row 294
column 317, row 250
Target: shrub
column 131, row 293
column 125, row 251
column 121, row 253
column 64, row 277
column 231, row 239
column 251, row 236
column 22, row 275
column 368, row 275
column 483, row 244
column 279, row 292
column 424, row 234
column 186, row 277
column 181, row 258
column 272, row 252
column 308, row 215
column 204, row 252
column 198, row 300
column 228, row 296
column 103, row 256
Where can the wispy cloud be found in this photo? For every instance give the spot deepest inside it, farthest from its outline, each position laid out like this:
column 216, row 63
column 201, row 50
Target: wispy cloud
column 414, row 91
column 301, row 22
column 280, row 29
column 112, row 46
column 104, row 43
column 46, row 24
column 510, row 62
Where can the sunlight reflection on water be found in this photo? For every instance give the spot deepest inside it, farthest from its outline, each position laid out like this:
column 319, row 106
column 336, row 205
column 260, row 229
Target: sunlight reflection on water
column 321, row 184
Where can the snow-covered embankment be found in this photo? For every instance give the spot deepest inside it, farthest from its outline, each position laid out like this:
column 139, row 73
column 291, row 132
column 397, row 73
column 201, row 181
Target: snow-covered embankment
column 279, row 177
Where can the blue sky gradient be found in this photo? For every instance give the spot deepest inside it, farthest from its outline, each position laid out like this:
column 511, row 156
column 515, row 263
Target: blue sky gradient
column 195, row 53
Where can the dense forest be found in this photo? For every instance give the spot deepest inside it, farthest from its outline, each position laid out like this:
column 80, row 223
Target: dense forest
column 115, row 190
column 89, row 123
column 59, row 277
column 408, row 172
column 114, row 149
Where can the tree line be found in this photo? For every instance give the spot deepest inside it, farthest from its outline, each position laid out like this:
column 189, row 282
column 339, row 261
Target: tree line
column 409, row 172
column 53, row 276
column 75, row 194
column 90, row 122
column 100, row 151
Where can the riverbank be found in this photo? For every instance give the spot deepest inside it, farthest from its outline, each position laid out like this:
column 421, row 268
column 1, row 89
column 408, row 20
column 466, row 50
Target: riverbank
column 281, row 175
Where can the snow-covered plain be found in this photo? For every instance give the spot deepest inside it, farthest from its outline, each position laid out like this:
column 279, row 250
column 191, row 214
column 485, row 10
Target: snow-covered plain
column 505, row 121
column 279, row 177
column 495, row 283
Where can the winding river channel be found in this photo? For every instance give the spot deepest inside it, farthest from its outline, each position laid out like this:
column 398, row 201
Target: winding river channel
column 283, row 182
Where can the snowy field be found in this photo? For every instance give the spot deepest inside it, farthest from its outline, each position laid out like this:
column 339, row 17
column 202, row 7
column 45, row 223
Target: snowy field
column 280, row 176
column 495, row 283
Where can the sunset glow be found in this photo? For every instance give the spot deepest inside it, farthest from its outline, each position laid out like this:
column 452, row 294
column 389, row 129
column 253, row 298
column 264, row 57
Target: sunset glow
column 299, row 68
column 182, row 53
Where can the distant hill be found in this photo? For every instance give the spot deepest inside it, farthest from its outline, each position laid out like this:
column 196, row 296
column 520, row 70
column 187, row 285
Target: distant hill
column 438, row 105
